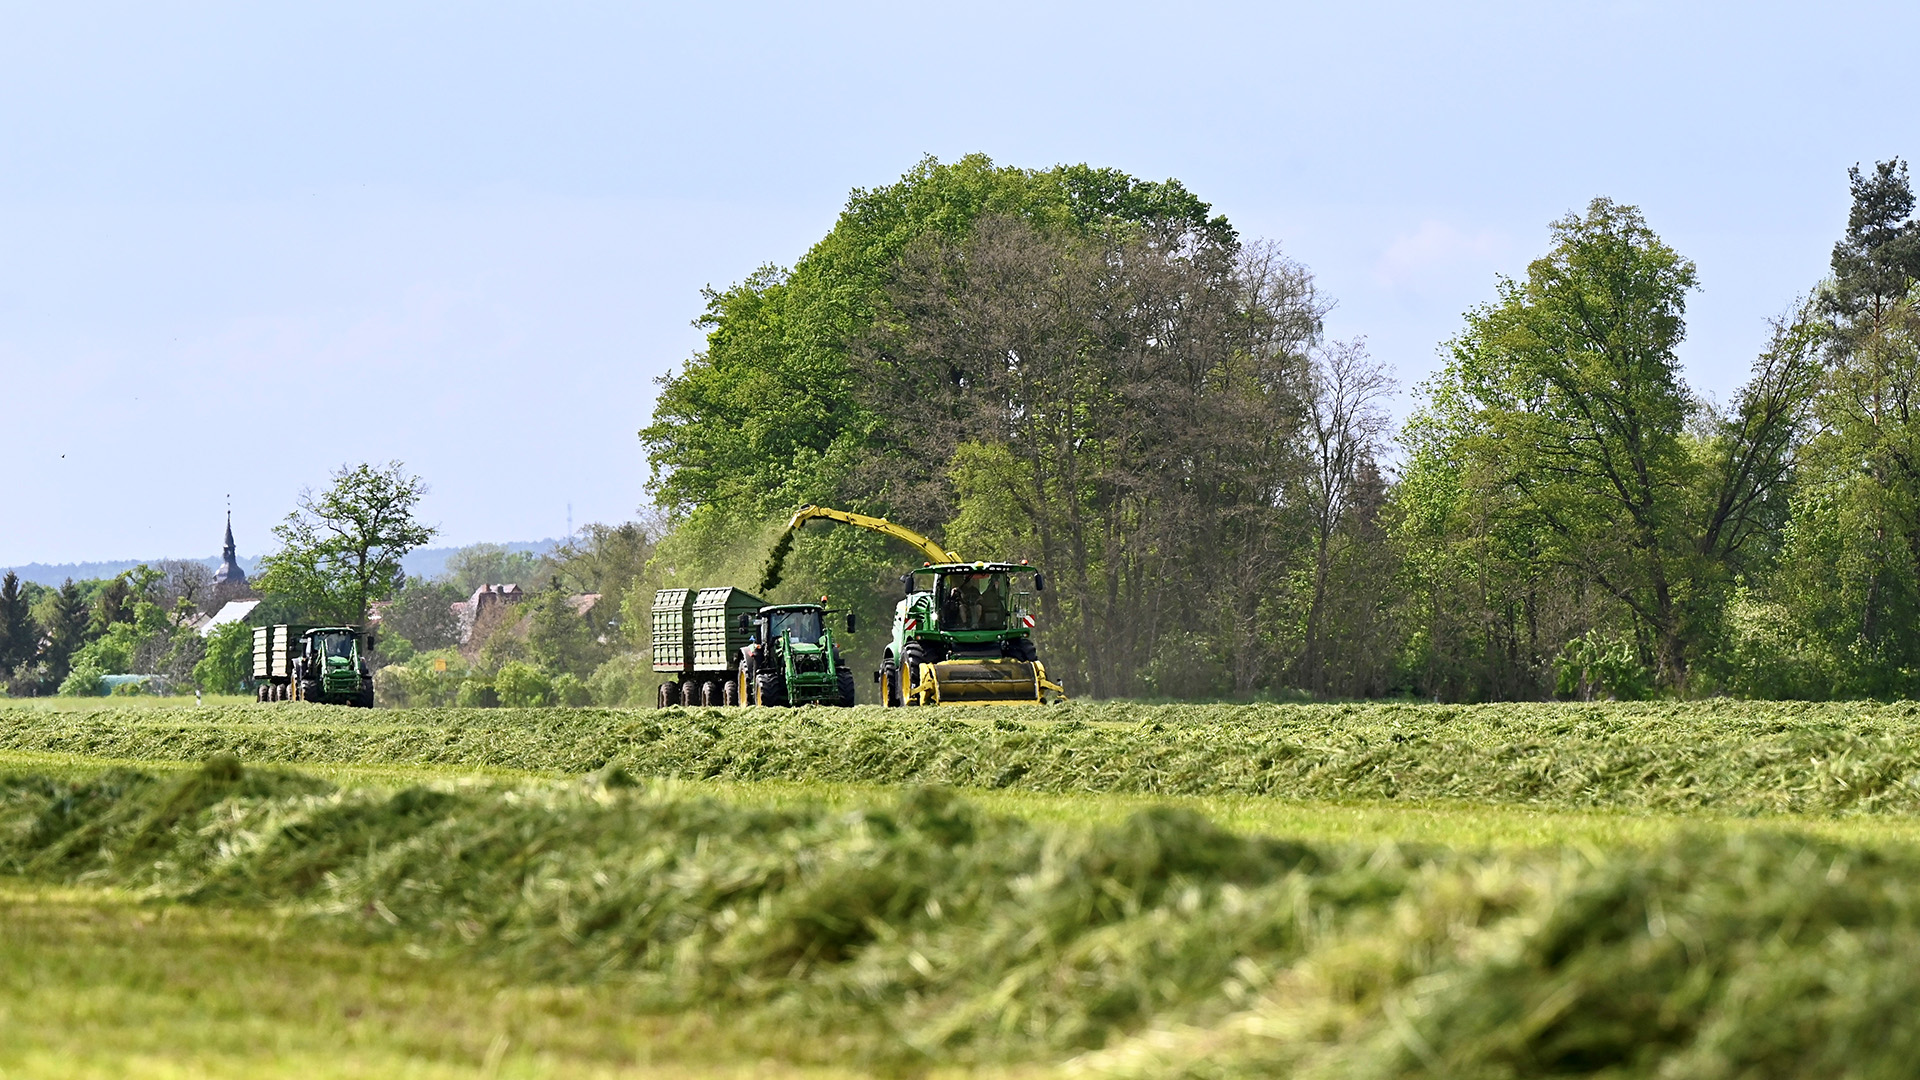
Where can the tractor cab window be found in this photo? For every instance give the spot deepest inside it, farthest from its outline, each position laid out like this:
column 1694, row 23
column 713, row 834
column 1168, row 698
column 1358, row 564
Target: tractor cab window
column 974, row 601
column 340, row 645
column 803, row 625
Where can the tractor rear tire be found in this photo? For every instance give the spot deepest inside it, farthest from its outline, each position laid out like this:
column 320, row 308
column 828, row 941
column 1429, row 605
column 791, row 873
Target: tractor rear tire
column 846, row 687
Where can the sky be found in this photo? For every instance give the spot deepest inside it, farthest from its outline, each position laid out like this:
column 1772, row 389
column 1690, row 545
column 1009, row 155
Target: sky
column 244, row 244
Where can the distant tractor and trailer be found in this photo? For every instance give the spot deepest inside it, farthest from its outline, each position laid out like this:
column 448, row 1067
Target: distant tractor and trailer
column 725, row 646
column 327, row 665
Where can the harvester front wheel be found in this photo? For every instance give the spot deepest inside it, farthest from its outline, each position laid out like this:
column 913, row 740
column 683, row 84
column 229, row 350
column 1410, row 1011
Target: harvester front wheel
column 912, row 657
column 890, row 694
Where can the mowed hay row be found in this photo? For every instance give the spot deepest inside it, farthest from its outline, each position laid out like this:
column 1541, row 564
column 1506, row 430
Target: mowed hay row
column 1732, row 757
column 919, row 931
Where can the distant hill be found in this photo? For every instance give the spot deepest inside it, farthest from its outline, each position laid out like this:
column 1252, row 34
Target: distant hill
column 427, row 562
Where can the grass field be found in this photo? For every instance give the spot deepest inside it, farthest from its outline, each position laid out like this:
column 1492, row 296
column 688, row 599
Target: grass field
column 1699, row 890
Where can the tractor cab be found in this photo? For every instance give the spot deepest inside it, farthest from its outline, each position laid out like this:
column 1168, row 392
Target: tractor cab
column 333, row 666
column 801, row 624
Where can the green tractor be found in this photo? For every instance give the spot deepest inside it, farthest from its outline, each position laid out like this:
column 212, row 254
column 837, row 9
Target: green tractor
column 791, row 658
column 328, row 665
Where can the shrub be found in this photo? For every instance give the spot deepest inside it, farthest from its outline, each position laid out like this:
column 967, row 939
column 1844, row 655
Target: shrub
column 476, row 693
column 568, row 690
column 85, row 680
column 229, row 660
column 522, row 686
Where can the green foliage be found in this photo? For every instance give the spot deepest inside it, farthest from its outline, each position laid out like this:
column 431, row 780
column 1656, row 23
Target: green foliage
column 229, row 660
column 626, row 679
column 340, row 551
column 422, row 612
column 521, row 686
column 489, row 564
column 571, row 691
column 476, row 692
column 18, row 642
column 1591, row 667
column 561, row 637
column 425, row 680
column 85, row 679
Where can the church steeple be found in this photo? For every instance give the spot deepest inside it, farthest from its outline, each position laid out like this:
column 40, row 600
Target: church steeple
column 229, row 565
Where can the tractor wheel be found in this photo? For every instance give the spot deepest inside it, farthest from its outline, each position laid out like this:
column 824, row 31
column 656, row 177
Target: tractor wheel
column 846, row 687
column 770, row 689
column 912, row 657
column 730, row 691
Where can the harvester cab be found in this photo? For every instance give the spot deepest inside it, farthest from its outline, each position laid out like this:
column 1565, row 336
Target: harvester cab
column 791, row 658
column 963, row 635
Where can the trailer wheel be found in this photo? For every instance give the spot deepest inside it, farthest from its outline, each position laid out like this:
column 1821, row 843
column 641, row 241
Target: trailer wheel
column 730, row 692
column 709, row 693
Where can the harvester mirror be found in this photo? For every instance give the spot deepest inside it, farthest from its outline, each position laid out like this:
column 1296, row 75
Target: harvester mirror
column 1039, row 582
column 746, row 624
column 850, row 622
column 906, row 582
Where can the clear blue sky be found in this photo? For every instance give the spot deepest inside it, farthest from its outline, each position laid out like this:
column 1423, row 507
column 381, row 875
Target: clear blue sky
column 241, row 244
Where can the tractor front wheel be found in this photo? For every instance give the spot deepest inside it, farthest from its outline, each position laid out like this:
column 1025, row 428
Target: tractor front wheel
column 770, row 689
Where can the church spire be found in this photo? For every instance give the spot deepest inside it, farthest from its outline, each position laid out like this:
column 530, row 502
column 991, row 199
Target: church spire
column 229, row 564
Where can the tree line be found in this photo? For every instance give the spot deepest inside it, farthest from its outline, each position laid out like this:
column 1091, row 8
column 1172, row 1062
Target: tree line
column 1101, row 375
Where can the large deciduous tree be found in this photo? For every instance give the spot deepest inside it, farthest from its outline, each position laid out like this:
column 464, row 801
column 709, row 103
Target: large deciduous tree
column 1121, row 407
column 1568, row 417
column 341, row 550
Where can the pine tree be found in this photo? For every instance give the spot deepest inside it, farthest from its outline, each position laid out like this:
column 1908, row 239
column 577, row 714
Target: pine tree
column 17, row 637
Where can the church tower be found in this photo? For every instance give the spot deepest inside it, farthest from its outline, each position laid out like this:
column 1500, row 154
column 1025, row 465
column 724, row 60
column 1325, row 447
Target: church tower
column 229, row 582
column 229, row 566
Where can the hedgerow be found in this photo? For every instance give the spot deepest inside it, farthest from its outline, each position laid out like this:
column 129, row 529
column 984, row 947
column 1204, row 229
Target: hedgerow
column 1732, row 757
